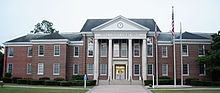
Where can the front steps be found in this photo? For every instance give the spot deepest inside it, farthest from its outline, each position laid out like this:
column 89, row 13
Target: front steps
column 120, row 82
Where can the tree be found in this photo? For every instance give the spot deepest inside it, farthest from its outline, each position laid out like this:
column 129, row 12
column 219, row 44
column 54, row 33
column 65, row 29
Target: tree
column 212, row 58
column 44, row 27
column 1, row 62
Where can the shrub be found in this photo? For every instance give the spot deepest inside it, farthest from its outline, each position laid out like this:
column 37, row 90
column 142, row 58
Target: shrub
column 36, row 82
column 147, row 82
column 188, row 80
column 207, row 83
column 6, row 80
column 59, row 79
column 77, row 77
column 178, row 81
column 22, row 81
column 91, row 82
column 196, row 82
column 8, row 74
column 50, row 82
column 65, row 83
column 164, row 77
column 165, row 81
column 14, row 79
column 44, row 78
column 216, row 83
column 77, row 82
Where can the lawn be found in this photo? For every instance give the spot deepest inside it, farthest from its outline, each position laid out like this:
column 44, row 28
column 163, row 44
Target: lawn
column 48, row 86
column 39, row 90
column 185, row 91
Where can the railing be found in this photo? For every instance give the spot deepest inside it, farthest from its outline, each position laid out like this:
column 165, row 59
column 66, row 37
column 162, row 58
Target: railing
column 109, row 80
column 142, row 80
column 97, row 82
column 130, row 80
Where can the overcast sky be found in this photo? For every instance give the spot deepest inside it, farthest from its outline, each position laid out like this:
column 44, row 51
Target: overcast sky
column 18, row 17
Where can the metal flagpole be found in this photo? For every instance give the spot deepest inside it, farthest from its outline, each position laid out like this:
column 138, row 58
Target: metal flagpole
column 181, row 57
column 156, row 55
column 174, row 49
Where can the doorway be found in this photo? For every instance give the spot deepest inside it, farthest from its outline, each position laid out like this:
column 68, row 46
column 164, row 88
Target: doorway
column 120, row 72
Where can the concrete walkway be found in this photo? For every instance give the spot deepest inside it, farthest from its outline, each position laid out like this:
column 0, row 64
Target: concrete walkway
column 119, row 89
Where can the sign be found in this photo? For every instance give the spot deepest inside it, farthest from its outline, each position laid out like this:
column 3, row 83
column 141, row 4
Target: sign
column 85, row 81
column 85, row 78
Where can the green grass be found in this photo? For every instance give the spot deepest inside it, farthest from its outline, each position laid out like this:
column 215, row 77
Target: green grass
column 185, row 91
column 48, row 86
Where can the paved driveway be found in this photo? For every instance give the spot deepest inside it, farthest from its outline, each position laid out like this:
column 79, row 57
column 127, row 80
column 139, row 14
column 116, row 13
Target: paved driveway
column 118, row 89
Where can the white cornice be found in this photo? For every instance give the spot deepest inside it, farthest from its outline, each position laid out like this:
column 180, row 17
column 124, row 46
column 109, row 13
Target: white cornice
column 73, row 43
column 17, row 44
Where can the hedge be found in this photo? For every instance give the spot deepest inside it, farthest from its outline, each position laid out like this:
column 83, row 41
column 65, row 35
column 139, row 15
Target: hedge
column 91, row 82
column 14, row 79
column 81, row 82
column 204, row 83
column 6, row 80
column 188, row 80
column 44, row 78
column 8, row 74
column 164, row 77
column 22, row 81
column 163, row 81
column 50, row 82
column 65, row 83
column 58, row 79
column 77, row 77
column 37, row 82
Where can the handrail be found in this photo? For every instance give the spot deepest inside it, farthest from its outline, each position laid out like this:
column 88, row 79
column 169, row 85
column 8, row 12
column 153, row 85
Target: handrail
column 142, row 80
column 130, row 81
column 97, row 82
column 109, row 80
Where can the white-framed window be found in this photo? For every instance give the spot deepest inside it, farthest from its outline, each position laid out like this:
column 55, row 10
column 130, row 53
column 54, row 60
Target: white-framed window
column 10, row 67
column 29, row 69
column 116, row 48
column 149, row 47
column 201, row 50
column 124, row 48
column 40, row 70
column 90, row 47
column 10, row 52
column 103, row 49
column 136, row 69
column 185, row 50
column 75, row 69
column 40, row 50
column 202, row 71
column 103, row 69
column 149, row 69
column 90, row 69
column 186, row 69
column 76, row 51
column 164, row 69
column 164, row 51
column 29, row 51
column 56, row 69
column 136, row 48
column 56, row 50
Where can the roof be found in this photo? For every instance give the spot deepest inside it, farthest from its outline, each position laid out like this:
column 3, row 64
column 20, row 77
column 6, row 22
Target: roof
column 76, row 36
column 91, row 23
column 188, row 35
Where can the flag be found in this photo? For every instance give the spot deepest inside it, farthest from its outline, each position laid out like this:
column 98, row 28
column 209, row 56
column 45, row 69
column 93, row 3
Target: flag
column 155, row 37
column 172, row 21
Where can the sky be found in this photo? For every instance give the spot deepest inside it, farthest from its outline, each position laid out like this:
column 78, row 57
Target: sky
column 18, row 17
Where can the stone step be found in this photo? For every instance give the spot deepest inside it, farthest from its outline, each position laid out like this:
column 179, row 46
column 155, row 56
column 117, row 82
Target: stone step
column 120, row 82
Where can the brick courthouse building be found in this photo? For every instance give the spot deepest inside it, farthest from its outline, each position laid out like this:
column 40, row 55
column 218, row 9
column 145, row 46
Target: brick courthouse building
column 106, row 49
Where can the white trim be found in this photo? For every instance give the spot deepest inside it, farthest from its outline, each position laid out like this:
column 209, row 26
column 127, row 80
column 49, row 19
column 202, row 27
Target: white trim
column 138, row 49
column 202, row 51
column 166, row 52
column 187, row 71
column 166, row 70
column 28, row 70
column 12, row 51
column 126, row 49
column 54, row 69
column 138, row 70
column 74, row 43
column 115, row 48
column 88, row 69
column 11, row 67
column 39, row 50
column 75, row 51
column 152, row 70
column 17, row 44
column 42, row 69
column 164, row 44
column 102, row 69
column 187, row 50
column 55, row 50
column 105, row 44
column 74, row 69
column 152, row 51
column 92, row 47
column 31, row 50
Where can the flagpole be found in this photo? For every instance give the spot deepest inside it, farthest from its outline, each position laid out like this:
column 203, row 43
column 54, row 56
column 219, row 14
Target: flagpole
column 181, row 57
column 174, row 49
column 156, row 55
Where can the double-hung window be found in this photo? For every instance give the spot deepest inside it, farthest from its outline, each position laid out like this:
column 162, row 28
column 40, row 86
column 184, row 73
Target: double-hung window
column 56, row 69
column 201, row 50
column 124, row 48
column 150, row 69
column 202, row 71
column 90, row 69
column 40, row 69
column 29, row 68
column 56, row 50
column 29, row 51
column 76, row 51
column 136, row 69
column 75, row 69
column 10, row 52
column 185, row 50
column 136, row 48
column 149, row 47
column 90, row 47
column 116, row 48
column 164, row 69
column 164, row 51
column 186, row 69
column 10, row 67
column 40, row 50
column 103, row 49
column 103, row 69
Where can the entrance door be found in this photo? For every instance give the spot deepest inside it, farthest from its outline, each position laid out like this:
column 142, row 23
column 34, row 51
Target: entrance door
column 120, row 72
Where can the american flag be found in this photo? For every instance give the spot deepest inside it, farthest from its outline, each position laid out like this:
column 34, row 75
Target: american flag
column 155, row 37
column 172, row 22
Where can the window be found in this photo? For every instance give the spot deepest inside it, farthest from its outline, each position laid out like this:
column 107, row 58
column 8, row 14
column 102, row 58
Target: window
column 90, row 47
column 202, row 69
column 103, row 69
column 56, row 69
column 164, row 69
column 10, row 67
column 29, row 51
column 90, row 69
column 124, row 48
column 10, row 52
column 150, row 69
column 56, row 50
column 136, row 48
column 104, row 49
column 116, row 48
column 186, row 69
column 40, row 50
column 76, row 51
column 164, row 51
column 149, row 47
column 136, row 69
column 75, row 69
column 40, row 69
column 184, row 50
column 201, row 50
column 29, row 68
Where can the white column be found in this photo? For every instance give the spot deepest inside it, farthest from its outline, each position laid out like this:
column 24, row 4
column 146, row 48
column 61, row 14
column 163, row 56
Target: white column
column 96, row 60
column 130, row 59
column 144, row 63
column 110, row 59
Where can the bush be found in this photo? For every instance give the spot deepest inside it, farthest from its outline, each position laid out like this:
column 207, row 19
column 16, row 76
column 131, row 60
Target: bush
column 91, row 82
column 178, row 81
column 37, row 82
column 44, row 78
column 188, row 80
column 77, row 82
column 6, row 80
column 50, row 82
column 196, row 82
column 59, row 79
column 147, row 82
column 216, row 83
column 164, row 77
column 65, row 83
column 77, row 77
column 22, row 81
column 14, row 79
column 165, row 81
column 8, row 74
column 207, row 83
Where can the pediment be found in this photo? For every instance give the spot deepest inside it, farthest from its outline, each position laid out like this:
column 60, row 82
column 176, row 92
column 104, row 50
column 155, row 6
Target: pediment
column 120, row 23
